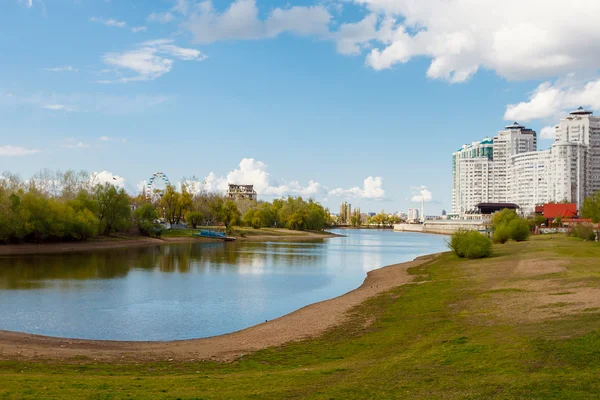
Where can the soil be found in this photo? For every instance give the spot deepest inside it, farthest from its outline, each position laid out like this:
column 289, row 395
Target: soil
column 307, row 322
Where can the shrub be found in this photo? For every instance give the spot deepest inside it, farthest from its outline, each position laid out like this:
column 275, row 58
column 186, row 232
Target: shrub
column 519, row 230
column 470, row 244
column 585, row 232
column 502, row 234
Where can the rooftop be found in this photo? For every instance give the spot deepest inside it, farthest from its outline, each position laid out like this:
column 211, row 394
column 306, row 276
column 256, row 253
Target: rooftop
column 515, row 125
column 580, row 111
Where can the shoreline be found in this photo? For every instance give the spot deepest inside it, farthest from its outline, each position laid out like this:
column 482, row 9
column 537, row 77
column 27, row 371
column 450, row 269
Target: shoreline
column 134, row 242
column 305, row 323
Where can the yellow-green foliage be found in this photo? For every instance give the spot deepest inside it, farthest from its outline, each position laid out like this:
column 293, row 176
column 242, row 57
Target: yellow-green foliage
column 470, row 244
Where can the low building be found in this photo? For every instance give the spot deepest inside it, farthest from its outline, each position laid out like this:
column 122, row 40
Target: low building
column 241, row 192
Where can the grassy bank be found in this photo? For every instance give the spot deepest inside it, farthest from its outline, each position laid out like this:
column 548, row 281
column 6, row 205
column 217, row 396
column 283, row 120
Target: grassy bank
column 522, row 324
column 244, row 233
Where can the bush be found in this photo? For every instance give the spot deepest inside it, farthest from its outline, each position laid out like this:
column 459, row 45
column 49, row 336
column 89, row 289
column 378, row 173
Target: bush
column 470, row 244
column 502, row 234
column 585, row 232
column 519, row 230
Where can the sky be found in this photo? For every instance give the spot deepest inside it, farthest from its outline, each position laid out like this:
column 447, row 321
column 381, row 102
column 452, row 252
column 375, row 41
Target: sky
column 340, row 100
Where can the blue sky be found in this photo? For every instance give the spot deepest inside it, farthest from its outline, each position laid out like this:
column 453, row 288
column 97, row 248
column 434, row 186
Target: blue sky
column 356, row 100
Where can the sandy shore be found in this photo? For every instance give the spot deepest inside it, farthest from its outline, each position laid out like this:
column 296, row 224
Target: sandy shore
column 304, row 323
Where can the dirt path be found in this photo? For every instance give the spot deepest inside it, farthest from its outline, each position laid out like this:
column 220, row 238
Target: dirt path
column 306, row 322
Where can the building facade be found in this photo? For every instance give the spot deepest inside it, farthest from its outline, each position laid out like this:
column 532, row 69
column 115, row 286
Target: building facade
column 516, row 172
column 413, row 215
column 241, row 192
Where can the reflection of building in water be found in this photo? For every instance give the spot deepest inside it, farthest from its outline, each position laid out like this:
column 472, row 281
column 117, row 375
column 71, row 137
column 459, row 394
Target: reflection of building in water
column 241, row 192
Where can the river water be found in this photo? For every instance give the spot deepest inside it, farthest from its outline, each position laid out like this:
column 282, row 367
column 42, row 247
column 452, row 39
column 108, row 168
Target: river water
column 183, row 291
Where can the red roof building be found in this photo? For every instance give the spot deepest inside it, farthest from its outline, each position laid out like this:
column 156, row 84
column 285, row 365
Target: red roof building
column 553, row 211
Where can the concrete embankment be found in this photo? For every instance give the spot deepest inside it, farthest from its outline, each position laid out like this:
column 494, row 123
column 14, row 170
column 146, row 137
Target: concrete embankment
column 441, row 227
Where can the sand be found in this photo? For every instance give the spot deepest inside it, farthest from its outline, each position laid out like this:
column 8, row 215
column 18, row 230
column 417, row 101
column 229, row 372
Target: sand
column 307, row 322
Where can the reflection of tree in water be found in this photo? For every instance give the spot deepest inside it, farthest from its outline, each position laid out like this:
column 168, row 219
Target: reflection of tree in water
column 25, row 272
column 30, row 272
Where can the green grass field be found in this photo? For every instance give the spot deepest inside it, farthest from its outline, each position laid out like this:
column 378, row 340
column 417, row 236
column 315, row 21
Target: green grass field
column 522, row 324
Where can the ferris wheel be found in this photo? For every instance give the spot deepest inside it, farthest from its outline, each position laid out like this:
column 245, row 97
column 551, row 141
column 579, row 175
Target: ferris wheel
column 156, row 185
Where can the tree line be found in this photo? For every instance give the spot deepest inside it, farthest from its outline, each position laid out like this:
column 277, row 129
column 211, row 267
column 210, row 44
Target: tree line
column 74, row 206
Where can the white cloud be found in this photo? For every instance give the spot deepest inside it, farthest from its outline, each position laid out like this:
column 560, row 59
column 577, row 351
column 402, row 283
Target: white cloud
column 137, row 29
column 254, row 172
column 162, row 18
column 553, row 100
column 109, row 22
column 66, row 68
column 55, row 107
column 241, row 22
column 16, row 151
column 72, row 144
column 107, row 177
column 26, row 3
column 517, row 39
column 420, row 194
column 97, row 102
column 150, row 61
column 372, row 189
column 548, row 132
column 112, row 139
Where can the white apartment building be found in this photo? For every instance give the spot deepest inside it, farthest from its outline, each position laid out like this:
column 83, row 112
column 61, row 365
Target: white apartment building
column 517, row 173
column 413, row 214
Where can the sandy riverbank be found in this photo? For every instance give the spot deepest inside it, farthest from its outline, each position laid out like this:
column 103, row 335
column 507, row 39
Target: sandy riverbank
column 304, row 323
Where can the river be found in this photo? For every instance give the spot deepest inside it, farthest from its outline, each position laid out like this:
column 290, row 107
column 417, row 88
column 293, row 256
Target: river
column 193, row 290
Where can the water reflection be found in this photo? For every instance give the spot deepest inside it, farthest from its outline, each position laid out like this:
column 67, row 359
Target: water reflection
column 181, row 291
column 34, row 272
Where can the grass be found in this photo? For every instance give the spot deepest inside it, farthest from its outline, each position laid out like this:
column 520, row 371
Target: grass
column 439, row 339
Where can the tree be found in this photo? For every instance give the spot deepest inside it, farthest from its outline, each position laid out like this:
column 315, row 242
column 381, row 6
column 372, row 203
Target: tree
column 503, row 217
column 519, row 230
column 228, row 213
column 145, row 218
column 170, row 204
column 591, row 207
column 194, row 218
column 113, row 208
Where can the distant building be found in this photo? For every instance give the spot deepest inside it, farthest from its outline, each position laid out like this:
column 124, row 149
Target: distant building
column 413, row 215
column 241, row 192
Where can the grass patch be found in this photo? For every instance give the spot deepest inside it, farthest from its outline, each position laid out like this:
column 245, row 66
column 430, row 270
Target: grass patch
column 426, row 341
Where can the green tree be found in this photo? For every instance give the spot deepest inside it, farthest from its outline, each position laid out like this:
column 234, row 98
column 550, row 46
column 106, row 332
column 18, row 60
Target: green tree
column 114, row 212
column 503, row 217
column 591, row 207
column 194, row 218
column 228, row 214
column 502, row 234
column 519, row 230
column 145, row 218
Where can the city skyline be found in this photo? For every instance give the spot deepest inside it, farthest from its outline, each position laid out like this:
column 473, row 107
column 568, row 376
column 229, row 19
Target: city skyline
column 341, row 101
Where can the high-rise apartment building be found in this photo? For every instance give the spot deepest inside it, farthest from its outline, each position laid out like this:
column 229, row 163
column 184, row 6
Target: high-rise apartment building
column 517, row 173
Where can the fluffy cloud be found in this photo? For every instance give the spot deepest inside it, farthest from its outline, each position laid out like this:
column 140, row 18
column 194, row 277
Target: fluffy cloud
column 420, row 194
column 109, row 22
column 254, row 172
column 372, row 189
column 26, row 3
column 552, row 100
column 149, row 61
column 518, row 40
column 58, row 107
column 548, row 132
column 107, row 177
column 240, row 21
column 137, row 29
column 16, row 151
